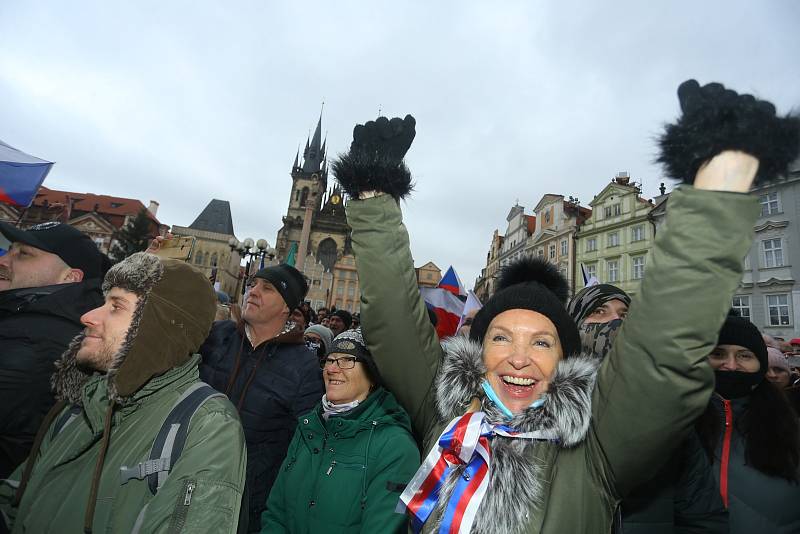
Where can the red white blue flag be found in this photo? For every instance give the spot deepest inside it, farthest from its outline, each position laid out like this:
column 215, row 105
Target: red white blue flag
column 20, row 176
column 452, row 283
column 447, row 307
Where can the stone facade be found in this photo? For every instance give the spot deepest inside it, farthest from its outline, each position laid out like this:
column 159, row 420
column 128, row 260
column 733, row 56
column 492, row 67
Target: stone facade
column 345, row 291
column 429, row 275
column 553, row 238
column 486, row 283
column 769, row 294
column 614, row 243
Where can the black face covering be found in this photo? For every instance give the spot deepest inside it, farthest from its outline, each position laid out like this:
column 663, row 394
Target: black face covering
column 598, row 338
column 736, row 384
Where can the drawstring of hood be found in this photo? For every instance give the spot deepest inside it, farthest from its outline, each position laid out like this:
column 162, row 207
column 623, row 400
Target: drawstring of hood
column 373, row 426
column 98, row 469
column 37, row 443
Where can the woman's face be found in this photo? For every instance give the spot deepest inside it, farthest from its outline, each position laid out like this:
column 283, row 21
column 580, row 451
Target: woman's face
column 520, row 350
column 733, row 358
column 345, row 385
column 778, row 376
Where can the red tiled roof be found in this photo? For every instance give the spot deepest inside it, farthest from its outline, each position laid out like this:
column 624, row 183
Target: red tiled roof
column 87, row 201
column 531, row 219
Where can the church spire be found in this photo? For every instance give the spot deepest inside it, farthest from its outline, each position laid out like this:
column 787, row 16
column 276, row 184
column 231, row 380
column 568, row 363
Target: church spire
column 296, row 159
column 314, row 155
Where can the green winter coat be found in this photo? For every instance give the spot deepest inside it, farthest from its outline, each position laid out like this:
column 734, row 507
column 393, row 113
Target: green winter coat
column 212, row 465
column 345, row 474
column 122, row 411
column 652, row 386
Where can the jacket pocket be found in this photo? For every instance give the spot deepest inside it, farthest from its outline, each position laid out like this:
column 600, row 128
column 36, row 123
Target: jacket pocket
column 182, row 506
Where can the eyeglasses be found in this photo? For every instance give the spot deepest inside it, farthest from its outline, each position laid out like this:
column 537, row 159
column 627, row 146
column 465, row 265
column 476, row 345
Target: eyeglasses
column 344, row 362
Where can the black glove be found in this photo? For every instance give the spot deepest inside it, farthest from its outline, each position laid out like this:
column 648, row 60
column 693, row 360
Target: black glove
column 716, row 119
column 375, row 161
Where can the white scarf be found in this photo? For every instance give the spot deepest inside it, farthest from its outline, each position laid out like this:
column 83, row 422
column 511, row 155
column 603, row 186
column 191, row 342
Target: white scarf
column 329, row 408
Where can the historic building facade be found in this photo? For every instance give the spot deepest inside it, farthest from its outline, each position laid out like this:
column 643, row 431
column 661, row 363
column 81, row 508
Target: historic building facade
column 315, row 221
column 212, row 253
column 486, row 283
column 613, row 244
column 429, row 275
column 553, row 238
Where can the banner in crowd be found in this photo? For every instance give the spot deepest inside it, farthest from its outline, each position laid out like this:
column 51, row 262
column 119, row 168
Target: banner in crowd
column 20, row 176
column 447, row 307
column 452, row 283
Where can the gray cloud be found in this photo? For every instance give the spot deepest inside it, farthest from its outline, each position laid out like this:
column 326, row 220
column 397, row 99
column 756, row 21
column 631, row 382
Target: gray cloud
column 185, row 101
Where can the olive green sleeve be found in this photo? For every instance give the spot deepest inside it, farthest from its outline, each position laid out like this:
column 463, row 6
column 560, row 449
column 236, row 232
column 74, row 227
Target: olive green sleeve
column 393, row 315
column 656, row 380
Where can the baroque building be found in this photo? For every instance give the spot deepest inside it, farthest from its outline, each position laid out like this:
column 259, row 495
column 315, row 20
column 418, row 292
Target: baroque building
column 315, row 224
column 553, row 237
column 613, row 244
column 486, row 283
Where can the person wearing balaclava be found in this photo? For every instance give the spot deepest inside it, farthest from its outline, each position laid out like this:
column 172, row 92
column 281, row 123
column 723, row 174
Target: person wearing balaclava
column 91, row 469
column 751, row 435
column 599, row 311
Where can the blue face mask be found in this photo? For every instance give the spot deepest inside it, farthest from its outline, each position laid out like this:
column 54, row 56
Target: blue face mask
column 487, row 388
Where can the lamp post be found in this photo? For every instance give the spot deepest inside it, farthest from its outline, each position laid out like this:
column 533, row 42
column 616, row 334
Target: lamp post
column 253, row 251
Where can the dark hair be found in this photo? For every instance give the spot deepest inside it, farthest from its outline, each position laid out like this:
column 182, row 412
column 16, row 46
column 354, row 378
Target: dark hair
column 770, row 429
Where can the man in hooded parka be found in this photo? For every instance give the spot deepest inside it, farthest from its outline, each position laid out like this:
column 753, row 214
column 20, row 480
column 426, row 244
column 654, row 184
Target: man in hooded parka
column 120, row 379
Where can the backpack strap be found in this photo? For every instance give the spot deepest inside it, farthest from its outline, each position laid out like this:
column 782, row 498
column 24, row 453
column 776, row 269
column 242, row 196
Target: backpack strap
column 171, row 438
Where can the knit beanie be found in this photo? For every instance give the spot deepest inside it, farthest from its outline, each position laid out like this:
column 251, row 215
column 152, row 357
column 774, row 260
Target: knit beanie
column 289, row 282
column 740, row 331
column 351, row 342
column 777, row 359
column 324, row 334
column 531, row 284
column 345, row 316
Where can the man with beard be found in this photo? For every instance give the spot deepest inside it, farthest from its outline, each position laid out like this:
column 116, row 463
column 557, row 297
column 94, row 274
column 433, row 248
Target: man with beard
column 120, row 385
column 49, row 277
column 264, row 366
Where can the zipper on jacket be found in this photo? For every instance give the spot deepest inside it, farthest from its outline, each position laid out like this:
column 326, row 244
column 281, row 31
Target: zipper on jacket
column 182, row 506
column 330, row 468
column 726, row 452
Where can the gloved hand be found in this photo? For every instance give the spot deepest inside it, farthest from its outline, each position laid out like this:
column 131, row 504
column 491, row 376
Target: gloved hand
column 375, row 161
column 716, row 119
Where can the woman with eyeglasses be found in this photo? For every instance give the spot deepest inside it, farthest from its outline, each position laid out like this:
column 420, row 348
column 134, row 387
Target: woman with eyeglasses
column 350, row 457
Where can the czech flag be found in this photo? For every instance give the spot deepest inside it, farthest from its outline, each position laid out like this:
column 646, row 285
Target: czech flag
column 447, row 307
column 452, row 283
column 20, row 176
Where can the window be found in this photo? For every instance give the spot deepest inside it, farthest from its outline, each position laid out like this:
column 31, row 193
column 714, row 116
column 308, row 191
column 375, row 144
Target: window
column 99, row 241
column 613, row 239
column 339, row 290
column 540, row 253
column 617, row 209
column 778, row 307
column 769, row 203
column 613, row 270
column 607, row 212
column 591, row 244
column 591, row 270
column 564, row 247
column 351, row 291
column 552, row 252
column 637, row 233
column 773, row 252
column 638, row 267
column 741, row 303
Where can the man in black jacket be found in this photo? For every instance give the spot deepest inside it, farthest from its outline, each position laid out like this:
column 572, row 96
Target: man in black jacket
column 264, row 367
column 49, row 278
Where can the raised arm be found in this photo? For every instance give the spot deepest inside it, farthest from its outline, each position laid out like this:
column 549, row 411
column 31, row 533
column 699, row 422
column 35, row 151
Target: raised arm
column 656, row 380
column 393, row 315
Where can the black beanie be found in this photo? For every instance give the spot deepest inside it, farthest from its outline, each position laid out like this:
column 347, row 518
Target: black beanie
column 289, row 282
column 740, row 331
column 351, row 342
column 345, row 316
column 531, row 284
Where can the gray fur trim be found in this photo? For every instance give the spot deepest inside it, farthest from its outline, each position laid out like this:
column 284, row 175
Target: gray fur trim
column 137, row 273
column 68, row 380
column 516, row 484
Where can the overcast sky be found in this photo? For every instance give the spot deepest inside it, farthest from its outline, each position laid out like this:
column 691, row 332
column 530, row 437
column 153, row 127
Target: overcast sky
column 184, row 101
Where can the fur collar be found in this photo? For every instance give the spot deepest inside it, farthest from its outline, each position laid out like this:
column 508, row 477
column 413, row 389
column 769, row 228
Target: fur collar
column 516, row 483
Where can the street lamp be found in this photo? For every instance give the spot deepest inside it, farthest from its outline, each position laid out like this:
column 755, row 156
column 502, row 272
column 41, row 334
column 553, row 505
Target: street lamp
column 245, row 247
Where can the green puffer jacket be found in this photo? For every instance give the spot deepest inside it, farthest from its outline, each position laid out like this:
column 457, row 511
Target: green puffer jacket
column 345, row 474
column 649, row 390
column 201, row 494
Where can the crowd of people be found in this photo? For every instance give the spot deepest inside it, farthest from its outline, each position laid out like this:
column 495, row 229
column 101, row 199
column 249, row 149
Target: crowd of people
column 136, row 399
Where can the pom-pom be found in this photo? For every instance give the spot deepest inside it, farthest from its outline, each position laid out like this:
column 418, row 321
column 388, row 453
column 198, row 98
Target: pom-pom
column 539, row 270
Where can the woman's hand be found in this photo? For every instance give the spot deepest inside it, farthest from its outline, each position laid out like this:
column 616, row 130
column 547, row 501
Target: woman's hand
column 727, row 171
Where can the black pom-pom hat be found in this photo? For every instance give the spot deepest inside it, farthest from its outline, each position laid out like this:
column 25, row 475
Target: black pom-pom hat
column 531, row 284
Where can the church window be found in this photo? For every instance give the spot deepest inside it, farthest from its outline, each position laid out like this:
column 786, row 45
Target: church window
column 327, row 252
column 214, row 260
column 297, row 195
column 304, row 197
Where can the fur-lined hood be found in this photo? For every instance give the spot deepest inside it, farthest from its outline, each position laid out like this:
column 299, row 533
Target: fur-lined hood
column 172, row 318
column 516, row 482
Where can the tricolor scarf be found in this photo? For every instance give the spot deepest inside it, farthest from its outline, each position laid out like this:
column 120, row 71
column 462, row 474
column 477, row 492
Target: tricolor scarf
column 479, row 476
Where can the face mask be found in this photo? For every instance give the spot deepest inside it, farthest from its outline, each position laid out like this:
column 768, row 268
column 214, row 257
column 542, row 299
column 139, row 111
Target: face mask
column 735, row 384
column 597, row 338
column 487, row 388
